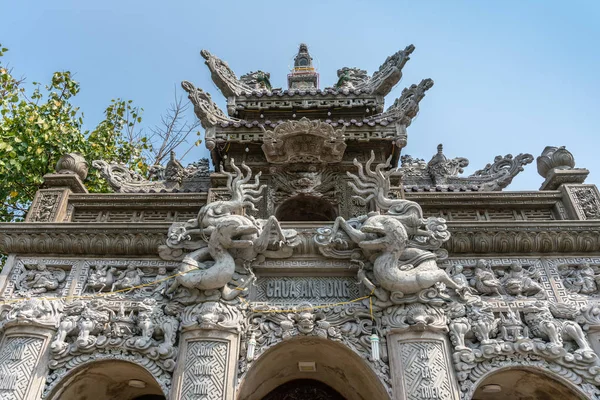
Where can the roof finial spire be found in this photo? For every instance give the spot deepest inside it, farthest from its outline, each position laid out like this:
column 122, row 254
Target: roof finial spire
column 303, row 75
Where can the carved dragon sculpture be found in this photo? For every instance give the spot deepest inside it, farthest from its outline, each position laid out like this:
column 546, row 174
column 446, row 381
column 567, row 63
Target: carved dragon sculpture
column 388, row 74
column 398, row 239
column 223, row 239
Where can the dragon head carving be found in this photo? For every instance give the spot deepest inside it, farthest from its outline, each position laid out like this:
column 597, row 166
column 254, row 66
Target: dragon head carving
column 384, row 233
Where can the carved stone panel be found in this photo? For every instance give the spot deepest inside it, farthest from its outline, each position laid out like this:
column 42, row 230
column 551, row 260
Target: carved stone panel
column 205, row 369
column 296, row 290
column 40, row 277
column 111, row 275
column 420, row 365
column 425, row 375
column 46, row 206
column 585, row 200
column 18, row 358
column 536, row 280
column 575, row 279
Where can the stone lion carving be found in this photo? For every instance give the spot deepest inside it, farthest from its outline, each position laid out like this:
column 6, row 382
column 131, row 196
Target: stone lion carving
column 398, row 239
column 225, row 240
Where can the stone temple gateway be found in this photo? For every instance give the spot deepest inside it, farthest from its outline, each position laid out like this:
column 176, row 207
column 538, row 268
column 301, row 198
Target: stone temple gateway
column 317, row 262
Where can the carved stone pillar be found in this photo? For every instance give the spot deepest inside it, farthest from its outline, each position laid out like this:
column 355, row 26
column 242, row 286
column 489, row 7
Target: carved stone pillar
column 420, row 354
column 50, row 204
column 24, row 361
column 208, row 353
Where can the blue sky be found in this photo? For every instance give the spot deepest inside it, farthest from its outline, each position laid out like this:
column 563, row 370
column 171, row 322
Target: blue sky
column 510, row 76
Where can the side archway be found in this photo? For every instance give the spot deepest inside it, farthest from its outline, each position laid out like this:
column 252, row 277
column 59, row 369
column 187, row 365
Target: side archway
column 336, row 366
column 524, row 383
column 110, row 379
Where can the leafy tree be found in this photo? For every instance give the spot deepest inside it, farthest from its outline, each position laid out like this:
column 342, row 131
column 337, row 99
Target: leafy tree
column 39, row 126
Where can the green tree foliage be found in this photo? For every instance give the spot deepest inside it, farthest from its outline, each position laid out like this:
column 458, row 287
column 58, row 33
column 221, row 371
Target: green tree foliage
column 38, row 126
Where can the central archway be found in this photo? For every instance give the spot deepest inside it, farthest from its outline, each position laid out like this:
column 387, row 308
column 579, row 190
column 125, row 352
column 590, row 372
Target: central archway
column 306, row 208
column 335, row 365
column 304, row 389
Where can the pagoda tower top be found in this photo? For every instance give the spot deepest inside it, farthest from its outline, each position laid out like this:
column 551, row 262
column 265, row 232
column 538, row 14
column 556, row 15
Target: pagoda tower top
column 303, row 76
column 308, row 130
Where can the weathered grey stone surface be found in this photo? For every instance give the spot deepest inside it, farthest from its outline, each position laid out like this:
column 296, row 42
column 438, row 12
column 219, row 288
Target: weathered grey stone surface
column 315, row 251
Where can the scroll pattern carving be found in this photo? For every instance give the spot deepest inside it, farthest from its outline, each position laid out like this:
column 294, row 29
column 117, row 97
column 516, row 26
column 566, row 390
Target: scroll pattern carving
column 162, row 377
column 475, row 376
column 123, row 241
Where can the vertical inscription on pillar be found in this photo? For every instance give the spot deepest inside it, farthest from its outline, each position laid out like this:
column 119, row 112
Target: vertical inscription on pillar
column 205, row 368
column 425, row 372
column 18, row 357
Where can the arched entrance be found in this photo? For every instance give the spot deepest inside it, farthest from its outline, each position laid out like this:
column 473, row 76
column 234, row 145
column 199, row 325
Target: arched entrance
column 523, row 384
column 306, row 208
column 115, row 380
column 304, row 389
column 336, row 367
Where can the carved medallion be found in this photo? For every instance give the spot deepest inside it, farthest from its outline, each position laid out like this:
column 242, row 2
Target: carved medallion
column 304, row 141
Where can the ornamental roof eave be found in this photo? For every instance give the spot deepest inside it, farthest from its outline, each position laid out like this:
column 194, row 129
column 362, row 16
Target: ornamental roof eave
column 305, row 100
column 234, row 89
column 442, row 174
column 207, row 111
column 254, row 132
column 404, row 109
